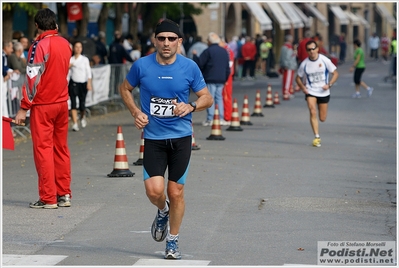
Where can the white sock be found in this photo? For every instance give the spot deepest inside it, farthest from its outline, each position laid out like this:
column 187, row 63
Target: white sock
column 317, row 136
column 165, row 209
column 172, row 237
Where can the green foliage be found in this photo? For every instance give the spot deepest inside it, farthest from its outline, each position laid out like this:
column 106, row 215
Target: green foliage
column 171, row 10
column 28, row 7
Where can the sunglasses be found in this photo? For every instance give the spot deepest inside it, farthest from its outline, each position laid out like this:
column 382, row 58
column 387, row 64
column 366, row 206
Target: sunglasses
column 310, row 49
column 170, row 38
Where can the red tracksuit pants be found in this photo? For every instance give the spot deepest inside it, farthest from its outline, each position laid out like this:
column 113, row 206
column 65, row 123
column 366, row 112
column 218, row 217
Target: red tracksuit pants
column 288, row 79
column 49, row 129
column 228, row 98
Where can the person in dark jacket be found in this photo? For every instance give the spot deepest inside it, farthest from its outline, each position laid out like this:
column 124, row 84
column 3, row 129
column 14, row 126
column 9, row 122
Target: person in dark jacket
column 214, row 64
column 117, row 53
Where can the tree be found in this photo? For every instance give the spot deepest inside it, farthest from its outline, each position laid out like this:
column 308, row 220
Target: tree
column 8, row 15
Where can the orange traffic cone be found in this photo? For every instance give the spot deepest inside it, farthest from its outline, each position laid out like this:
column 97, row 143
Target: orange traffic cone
column 245, row 113
column 276, row 98
column 216, row 132
column 258, row 105
column 139, row 161
column 194, row 146
column 235, row 121
column 121, row 167
column 269, row 98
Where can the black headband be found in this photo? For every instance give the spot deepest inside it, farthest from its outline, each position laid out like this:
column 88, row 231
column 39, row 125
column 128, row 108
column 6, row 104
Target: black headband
column 168, row 26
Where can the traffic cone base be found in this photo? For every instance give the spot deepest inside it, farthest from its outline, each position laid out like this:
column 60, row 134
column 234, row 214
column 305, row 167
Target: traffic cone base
column 235, row 121
column 194, row 146
column 121, row 167
column 139, row 161
column 216, row 132
column 276, row 98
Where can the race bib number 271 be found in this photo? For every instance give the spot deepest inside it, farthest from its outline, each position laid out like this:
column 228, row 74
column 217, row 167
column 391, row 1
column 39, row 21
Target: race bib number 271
column 162, row 107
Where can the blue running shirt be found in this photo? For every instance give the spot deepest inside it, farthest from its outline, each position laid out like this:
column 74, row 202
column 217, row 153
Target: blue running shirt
column 159, row 84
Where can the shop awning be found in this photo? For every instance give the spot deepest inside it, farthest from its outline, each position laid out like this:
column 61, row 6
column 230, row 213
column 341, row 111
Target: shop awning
column 279, row 15
column 340, row 15
column 353, row 18
column 292, row 15
column 363, row 21
column 307, row 20
column 385, row 13
column 260, row 15
column 317, row 13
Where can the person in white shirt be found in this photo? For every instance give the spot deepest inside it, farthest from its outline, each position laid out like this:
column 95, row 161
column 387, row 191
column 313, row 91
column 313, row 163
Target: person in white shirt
column 79, row 77
column 374, row 43
column 316, row 69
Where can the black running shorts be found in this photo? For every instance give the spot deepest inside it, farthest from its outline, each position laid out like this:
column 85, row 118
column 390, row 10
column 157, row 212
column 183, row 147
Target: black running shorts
column 325, row 99
column 173, row 154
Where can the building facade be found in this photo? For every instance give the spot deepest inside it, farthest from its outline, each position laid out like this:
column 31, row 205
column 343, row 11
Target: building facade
column 358, row 20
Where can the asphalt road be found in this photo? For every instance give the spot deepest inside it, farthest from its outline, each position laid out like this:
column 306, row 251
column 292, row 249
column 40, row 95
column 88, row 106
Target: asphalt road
column 263, row 196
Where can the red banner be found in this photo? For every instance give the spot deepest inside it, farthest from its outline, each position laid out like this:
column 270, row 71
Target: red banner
column 8, row 138
column 74, row 11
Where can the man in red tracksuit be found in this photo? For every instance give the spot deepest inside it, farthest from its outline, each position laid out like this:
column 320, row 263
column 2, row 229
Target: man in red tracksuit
column 45, row 94
column 227, row 92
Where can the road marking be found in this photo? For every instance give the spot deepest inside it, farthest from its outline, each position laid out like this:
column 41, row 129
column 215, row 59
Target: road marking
column 163, row 262
column 35, row 260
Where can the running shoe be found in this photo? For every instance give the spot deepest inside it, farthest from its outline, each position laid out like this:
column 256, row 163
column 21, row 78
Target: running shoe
column 75, row 127
column 356, row 96
column 316, row 142
column 159, row 228
column 207, row 123
column 41, row 204
column 64, row 201
column 370, row 91
column 172, row 250
column 83, row 122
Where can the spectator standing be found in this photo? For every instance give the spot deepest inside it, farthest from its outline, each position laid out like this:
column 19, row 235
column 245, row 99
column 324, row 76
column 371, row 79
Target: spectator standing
column 136, row 52
column 17, row 62
column 248, row 51
column 198, row 46
column 25, row 44
column 46, row 96
column 7, row 50
column 117, row 53
column 316, row 69
column 385, row 46
column 374, row 43
column 79, row 83
column 302, row 53
column 227, row 92
column 258, row 60
column 240, row 59
column 233, row 46
column 214, row 64
column 167, row 134
column 359, row 66
column 393, row 53
column 265, row 47
column 342, row 48
column 288, row 65
column 101, row 48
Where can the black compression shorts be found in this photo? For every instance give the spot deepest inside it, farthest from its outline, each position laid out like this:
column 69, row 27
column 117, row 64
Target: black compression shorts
column 173, row 154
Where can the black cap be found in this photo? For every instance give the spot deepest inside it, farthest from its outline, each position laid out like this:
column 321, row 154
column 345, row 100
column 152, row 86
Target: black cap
column 168, row 26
